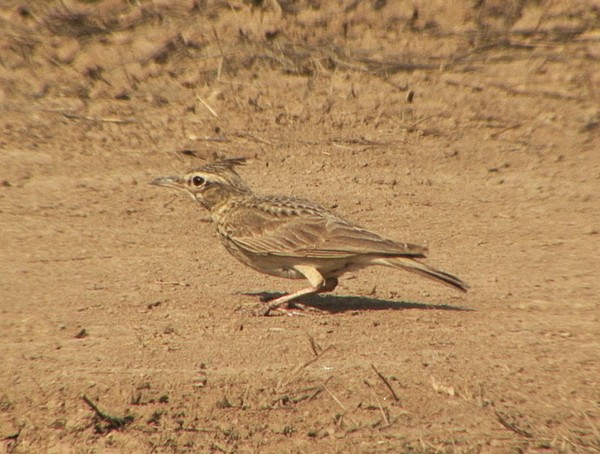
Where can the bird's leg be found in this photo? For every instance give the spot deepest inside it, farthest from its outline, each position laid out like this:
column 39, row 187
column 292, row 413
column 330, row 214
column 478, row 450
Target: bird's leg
column 330, row 285
column 318, row 283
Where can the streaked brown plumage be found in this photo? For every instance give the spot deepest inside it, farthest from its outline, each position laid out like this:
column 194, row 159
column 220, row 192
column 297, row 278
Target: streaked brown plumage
column 290, row 237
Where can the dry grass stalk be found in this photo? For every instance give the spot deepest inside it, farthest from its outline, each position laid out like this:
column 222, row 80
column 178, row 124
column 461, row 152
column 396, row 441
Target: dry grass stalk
column 284, row 381
column 383, row 412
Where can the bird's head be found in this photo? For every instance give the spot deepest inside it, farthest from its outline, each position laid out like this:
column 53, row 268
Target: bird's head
column 211, row 185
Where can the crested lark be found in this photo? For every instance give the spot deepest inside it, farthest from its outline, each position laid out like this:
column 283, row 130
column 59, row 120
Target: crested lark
column 290, row 237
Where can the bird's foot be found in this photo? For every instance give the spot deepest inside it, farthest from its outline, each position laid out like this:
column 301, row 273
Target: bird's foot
column 289, row 309
column 274, row 303
column 264, row 297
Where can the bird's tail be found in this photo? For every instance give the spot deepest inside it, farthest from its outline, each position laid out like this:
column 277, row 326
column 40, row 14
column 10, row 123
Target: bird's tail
column 415, row 266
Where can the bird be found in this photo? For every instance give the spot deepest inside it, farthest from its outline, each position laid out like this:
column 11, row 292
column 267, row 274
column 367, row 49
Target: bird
column 292, row 237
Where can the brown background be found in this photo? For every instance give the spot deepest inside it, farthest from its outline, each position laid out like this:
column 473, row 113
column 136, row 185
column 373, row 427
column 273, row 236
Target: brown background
column 118, row 291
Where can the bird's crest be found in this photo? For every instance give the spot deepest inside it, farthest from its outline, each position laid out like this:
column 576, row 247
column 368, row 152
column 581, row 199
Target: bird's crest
column 232, row 162
column 221, row 165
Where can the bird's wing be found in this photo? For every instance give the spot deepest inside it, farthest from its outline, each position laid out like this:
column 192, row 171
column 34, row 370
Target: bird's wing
column 345, row 238
column 309, row 234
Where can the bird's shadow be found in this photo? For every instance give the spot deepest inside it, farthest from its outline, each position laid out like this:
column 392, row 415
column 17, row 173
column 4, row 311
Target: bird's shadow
column 336, row 303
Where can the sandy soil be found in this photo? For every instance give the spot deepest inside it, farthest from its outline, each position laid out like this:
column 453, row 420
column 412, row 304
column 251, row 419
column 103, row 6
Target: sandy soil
column 472, row 129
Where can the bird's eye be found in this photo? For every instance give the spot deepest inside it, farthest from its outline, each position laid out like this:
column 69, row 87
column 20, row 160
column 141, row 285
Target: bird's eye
column 198, row 181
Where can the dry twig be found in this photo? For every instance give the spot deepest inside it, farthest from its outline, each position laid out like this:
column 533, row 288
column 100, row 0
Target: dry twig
column 386, row 383
column 72, row 116
column 512, row 427
column 113, row 422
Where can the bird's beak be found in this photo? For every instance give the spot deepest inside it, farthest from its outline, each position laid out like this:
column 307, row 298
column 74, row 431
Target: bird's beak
column 169, row 182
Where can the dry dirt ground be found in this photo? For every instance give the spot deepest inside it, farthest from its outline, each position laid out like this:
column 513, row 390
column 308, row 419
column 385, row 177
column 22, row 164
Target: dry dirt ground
column 473, row 129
